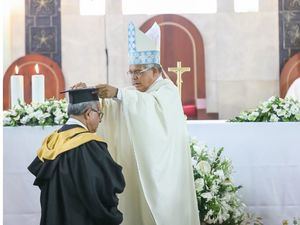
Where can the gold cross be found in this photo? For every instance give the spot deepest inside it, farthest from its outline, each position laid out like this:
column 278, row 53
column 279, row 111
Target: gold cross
column 179, row 71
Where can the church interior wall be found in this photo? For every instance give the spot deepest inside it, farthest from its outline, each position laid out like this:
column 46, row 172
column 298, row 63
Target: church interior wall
column 83, row 47
column 241, row 56
column 241, row 50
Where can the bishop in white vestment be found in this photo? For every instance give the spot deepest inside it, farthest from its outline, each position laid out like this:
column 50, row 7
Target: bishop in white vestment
column 146, row 132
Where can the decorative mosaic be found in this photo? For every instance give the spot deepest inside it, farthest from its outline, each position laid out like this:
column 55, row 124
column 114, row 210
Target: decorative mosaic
column 289, row 29
column 43, row 28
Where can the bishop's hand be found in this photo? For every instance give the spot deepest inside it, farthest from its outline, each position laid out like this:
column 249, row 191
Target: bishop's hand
column 79, row 85
column 106, row 91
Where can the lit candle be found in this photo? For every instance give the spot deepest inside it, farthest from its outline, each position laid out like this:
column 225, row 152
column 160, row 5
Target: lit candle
column 38, row 86
column 16, row 87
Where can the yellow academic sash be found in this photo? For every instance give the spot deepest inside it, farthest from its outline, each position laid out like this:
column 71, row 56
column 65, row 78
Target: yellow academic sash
column 57, row 143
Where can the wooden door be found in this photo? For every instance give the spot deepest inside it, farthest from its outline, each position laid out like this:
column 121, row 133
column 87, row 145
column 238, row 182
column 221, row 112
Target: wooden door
column 181, row 41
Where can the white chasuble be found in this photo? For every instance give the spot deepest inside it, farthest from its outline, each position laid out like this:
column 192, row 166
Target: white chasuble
column 294, row 90
column 147, row 135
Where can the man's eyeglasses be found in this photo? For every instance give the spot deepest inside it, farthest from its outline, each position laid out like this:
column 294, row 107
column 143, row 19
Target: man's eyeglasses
column 137, row 73
column 100, row 114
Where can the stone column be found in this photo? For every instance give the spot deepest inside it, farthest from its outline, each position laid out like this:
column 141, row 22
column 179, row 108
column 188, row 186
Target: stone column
column 116, row 44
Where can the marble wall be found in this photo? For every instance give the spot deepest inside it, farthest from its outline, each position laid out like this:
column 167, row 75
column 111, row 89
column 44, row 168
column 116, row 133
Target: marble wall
column 241, row 51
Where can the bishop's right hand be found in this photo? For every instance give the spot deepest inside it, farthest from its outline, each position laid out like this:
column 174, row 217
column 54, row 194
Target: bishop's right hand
column 106, row 91
column 79, row 85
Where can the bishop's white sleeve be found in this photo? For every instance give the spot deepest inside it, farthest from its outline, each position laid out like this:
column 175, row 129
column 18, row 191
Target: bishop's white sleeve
column 119, row 95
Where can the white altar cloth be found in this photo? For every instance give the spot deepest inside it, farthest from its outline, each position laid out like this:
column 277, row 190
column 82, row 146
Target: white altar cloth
column 266, row 160
column 21, row 201
column 265, row 156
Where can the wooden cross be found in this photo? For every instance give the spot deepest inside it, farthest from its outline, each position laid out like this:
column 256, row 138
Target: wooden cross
column 179, row 71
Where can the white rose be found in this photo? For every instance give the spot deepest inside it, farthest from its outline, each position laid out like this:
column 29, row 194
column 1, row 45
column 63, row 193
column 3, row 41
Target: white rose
column 193, row 140
column 274, row 107
column 38, row 114
column 280, row 112
column 253, row 116
column 16, row 118
column 194, row 162
column 222, row 217
column 13, row 113
column 29, row 109
column 209, row 217
column 35, row 105
column 197, row 149
column 25, row 119
column 286, row 106
column 244, row 115
column 294, row 109
column 204, row 167
column 209, row 214
column 207, row 195
column 215, row 187
column 57, row 112
column 265, row 109
column 58, row 119
column 46, row 115
column 227, row 197
column 6, row 121
column 220, row 174
column 272, row 99
column 17, row 107
column 274, row 118
column 199, row 184
column 212, row 154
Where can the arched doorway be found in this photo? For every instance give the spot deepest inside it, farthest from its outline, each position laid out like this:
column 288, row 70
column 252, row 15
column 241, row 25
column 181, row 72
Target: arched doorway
column 181, row 41
column 289, row 73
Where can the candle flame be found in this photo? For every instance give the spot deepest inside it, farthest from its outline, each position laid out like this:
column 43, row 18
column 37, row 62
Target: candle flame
column 16, row 69
column 36, row 67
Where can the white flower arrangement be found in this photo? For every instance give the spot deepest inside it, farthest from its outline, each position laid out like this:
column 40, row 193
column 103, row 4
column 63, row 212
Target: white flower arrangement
column 51, row 112
column 273, row 110
column 218, row 199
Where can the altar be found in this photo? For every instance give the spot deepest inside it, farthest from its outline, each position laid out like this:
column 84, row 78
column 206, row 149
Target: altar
column 265, row 157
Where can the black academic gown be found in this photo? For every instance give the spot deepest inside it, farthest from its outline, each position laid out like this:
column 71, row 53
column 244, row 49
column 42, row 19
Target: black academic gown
column 79, row 186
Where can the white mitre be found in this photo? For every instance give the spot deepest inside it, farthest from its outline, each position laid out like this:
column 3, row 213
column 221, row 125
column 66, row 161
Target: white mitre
column 143, row 48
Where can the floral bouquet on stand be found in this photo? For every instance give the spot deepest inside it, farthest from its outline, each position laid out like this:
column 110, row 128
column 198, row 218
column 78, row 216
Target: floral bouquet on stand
column 273, row 110
column 49, row 113
column 218, row 199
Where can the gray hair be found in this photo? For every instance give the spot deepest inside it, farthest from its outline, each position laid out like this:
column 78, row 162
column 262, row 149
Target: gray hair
column 80, row 108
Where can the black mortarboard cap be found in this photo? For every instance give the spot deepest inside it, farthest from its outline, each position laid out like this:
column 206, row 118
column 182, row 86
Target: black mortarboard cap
column 82, row 95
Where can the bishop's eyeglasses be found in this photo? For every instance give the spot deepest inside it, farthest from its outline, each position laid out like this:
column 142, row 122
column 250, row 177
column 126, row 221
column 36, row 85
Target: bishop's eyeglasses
column 137, row 73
